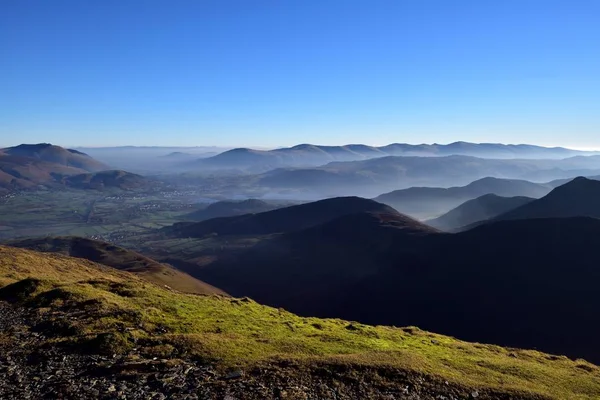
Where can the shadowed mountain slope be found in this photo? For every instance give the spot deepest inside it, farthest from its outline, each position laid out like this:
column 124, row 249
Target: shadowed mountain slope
column 522, row 283
column 281, row 220
column 119, row 258
column 480, row 209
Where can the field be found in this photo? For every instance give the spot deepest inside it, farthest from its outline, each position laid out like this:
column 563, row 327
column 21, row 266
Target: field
column 99, row 215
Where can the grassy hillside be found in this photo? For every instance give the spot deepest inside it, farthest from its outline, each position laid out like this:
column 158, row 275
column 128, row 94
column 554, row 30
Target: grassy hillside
column 117, row 257
column 95, row 309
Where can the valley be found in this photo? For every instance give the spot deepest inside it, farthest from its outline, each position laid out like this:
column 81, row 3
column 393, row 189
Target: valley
column 189, row 272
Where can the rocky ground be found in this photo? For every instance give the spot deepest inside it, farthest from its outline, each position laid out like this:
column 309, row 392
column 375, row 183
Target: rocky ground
column 33, row 369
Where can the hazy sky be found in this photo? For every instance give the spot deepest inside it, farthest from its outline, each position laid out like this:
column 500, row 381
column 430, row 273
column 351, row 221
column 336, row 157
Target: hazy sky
column 282, row 72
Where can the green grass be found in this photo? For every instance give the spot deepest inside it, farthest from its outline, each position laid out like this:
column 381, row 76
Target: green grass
column 232, row 332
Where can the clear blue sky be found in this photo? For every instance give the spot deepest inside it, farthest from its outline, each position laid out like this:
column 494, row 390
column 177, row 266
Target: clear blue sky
column 281, row 72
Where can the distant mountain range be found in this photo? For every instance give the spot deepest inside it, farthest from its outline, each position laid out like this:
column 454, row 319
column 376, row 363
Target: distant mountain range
column 371, row 177
column 521, row 283
column 426, row 202
column 313, row 155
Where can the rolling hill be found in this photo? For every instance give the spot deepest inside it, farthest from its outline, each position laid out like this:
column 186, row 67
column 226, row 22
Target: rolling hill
column 92, row 331
column 480, row 209
column 425, row 202
column 280, row 220
column 118, row 258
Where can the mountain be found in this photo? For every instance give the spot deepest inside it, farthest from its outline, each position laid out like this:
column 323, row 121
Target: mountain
column 56, row 155
column 29, row 165
column 232, row 208
column 520, row 283
column 314, row 155
column 280, row 220
column 480, row 209
column 75, row 329
column 106, row 179
column 119, row 258
column 425, row 202
column 370, row 178
column 24, row 173
column 578, row 197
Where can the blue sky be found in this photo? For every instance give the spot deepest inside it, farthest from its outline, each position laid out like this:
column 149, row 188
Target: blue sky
column 274, row 73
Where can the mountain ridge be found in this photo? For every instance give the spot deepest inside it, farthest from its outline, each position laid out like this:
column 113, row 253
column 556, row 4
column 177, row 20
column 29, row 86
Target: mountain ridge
column 310, row 154
column 279, row 220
